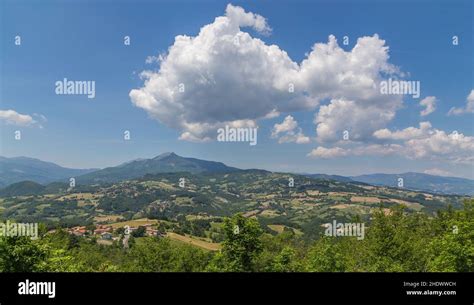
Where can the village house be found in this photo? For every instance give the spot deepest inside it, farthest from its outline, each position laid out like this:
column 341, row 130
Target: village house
column 100, row 229
column 106, row 235
column 78, row 231
column 151, row 232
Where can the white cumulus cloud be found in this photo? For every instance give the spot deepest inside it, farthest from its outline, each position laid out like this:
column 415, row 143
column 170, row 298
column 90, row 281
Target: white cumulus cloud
column 289, row 132
column 358, row 119
column 224, row 75
column 11, row 117
column 405, row 134
column 328, row 153
column 469, row 108
column 454, row 147
column 357, row 150
column 430, row 143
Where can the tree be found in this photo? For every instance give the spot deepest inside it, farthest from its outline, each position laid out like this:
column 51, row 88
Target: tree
column 139, row 232
column 242, row 243
column 326, row 256
column 452, row 249
column 21, row 254
column 286, row 261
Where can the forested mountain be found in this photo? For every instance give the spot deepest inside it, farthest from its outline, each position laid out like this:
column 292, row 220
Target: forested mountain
column 164, row 163
column 18, row 169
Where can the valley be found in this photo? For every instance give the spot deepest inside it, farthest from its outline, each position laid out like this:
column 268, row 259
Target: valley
column 199, row 206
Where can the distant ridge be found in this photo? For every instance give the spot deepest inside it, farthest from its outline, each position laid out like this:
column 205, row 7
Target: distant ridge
column 165, row 163
column 421, row 182
column 19, row 169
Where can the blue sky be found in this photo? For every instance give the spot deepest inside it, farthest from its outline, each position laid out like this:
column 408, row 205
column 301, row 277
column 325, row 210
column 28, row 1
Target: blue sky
column 83, row 40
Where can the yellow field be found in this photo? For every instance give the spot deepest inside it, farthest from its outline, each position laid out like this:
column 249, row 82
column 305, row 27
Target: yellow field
column 159, row 184
column 341, row 206
column 251, row 213
column 194, row 241
column 280, row 228
column 365, row 199
column 413, row 205
column 352, row 208
column 134, row 223
column 106, row 218
column 194, row 217
column 340, row 193
column 80, row 196
column 269, row 213
column 277, row 228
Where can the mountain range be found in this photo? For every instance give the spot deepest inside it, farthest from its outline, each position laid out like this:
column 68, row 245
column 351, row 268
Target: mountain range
column 421, row 182
column 20, row 169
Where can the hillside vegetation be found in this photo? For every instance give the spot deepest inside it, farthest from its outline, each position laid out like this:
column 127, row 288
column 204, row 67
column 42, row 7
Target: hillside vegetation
column 397, row 241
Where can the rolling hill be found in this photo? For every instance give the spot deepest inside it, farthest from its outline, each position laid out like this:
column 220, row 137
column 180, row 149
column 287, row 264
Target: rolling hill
column 23, row 188
column 19, row 169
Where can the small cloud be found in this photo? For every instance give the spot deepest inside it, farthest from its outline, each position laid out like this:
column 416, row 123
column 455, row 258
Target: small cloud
column 11, row 117
column 289, row 132
column 429, row 103
column 469, row 108
column 272, row 114
column 328, row 153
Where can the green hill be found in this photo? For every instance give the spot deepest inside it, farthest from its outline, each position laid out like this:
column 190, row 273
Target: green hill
column 23, row 188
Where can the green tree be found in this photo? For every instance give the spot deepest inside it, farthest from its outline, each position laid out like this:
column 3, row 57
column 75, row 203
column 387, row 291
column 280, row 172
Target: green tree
column 326, row 256
column 452, row 249
column 287, row 261
column 242, row 243
column 139, row 232
column 21, row 254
